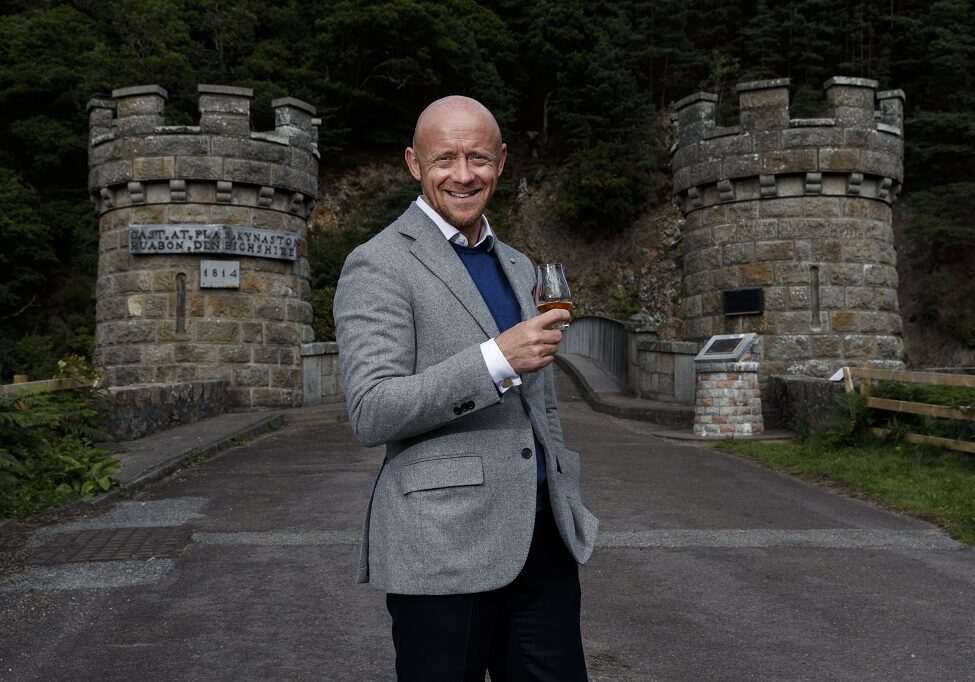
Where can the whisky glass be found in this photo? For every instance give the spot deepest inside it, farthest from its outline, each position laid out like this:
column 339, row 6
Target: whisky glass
column 552, row 290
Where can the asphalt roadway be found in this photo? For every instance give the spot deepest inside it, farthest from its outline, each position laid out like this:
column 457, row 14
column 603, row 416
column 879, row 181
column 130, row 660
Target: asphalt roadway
column 709, row 567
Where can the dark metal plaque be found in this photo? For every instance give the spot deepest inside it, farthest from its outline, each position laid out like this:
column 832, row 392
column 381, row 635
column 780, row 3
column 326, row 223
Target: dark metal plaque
column 743, row 302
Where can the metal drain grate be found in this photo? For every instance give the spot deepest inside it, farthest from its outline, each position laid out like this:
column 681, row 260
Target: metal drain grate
column 112, row 544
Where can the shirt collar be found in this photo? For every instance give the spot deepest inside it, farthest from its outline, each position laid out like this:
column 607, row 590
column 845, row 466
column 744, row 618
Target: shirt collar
column 454, row 235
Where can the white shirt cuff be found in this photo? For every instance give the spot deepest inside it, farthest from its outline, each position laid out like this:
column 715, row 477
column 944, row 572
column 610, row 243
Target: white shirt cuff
column 502, row 374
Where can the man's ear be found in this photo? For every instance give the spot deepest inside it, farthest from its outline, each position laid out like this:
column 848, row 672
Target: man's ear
column 412, row 163
column 504, row 155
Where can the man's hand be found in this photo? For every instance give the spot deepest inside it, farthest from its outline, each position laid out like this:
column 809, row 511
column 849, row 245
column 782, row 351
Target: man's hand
column 530, row 345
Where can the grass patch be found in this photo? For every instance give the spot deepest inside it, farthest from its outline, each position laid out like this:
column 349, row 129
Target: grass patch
column 936, row 485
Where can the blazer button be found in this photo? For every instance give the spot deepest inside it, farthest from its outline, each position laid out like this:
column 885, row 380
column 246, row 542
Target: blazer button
column 469, row 405
column 458, row 411
column 526, row 453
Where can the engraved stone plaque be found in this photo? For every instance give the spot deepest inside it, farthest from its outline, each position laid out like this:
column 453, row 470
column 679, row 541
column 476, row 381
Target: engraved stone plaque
column 220, row 274
column 145, row 240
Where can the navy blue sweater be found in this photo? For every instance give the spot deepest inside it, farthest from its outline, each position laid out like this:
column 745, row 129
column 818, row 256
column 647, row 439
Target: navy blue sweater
column 485, row 270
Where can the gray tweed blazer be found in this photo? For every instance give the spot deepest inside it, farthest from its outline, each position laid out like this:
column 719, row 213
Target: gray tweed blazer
column 453, row 507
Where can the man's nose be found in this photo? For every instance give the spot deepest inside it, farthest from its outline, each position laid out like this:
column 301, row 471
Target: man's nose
column 463, row 173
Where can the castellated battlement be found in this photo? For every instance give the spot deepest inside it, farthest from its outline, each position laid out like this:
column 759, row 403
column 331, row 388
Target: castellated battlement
column 203, row 269
column 136, row 159
column 857, row 149
column 788, row 224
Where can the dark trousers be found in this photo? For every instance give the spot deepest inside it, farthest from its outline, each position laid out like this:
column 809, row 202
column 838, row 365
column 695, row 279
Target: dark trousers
column 526, row 631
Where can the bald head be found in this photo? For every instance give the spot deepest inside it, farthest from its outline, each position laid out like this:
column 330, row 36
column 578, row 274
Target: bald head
column 453, row 107
column 457, row 155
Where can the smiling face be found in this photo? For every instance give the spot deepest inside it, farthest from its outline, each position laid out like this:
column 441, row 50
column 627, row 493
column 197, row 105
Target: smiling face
column 457, row 155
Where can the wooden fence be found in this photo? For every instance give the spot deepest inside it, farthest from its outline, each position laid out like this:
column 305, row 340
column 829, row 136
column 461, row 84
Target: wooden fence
column 44, row 386
column 866, row 375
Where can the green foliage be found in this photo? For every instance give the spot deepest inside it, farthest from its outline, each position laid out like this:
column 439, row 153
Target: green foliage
column 414, row 50
column 596, row 193
column 607, row 123
column 47, row 272
column 941, row 224
column 847, row 423
column 945, row 293
column 960, row 325
column 958, row 397
column 47, row 451
column 28, row 252
column 948, row 396
column 850, row 418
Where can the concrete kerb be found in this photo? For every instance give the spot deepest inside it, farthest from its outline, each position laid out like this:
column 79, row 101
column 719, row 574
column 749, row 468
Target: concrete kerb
column 235, row 426
column 220, row 441
column 167, row 465
column 689, row 437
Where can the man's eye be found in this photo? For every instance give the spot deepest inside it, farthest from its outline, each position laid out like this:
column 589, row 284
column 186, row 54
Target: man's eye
column 443, row 160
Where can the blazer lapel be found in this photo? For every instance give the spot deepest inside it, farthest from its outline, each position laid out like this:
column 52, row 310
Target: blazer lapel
column 435, row 252
column 521, row 283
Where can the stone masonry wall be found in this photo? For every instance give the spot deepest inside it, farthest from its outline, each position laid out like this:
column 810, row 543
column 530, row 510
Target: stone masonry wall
column 801, row 209
column 800, row 404
column 666, row 371
column 136, row 411
column 154, row 321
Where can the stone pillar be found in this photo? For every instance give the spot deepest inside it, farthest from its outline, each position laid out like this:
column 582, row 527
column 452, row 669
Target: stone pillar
column 170, row 198
column 729, row 402
column 639, row 328
column 764, row 105
column 891, row 104
column 693, row 115
column 851, row 100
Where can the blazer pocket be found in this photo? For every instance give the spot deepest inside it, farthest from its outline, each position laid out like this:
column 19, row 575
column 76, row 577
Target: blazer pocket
column 586, row 527
column 568, row 464
column 442, row 472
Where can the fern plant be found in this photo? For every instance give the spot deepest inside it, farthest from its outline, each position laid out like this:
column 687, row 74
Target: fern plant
column 848, row 421
column 48, row 454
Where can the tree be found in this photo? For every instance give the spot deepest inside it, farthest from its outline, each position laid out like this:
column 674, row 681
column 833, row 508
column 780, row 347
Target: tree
column 380, row 63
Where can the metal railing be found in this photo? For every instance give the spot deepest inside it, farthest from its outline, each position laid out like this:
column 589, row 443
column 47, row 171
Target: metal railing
column 602, row 339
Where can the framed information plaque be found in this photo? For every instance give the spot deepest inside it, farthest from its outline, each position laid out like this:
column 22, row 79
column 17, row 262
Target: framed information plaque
column 726, row 348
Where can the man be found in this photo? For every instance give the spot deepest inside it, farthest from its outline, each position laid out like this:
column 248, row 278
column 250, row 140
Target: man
column 475, row 528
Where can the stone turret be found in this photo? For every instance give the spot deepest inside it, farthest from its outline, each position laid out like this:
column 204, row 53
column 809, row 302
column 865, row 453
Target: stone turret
column 788, row 224
column 203, row 270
